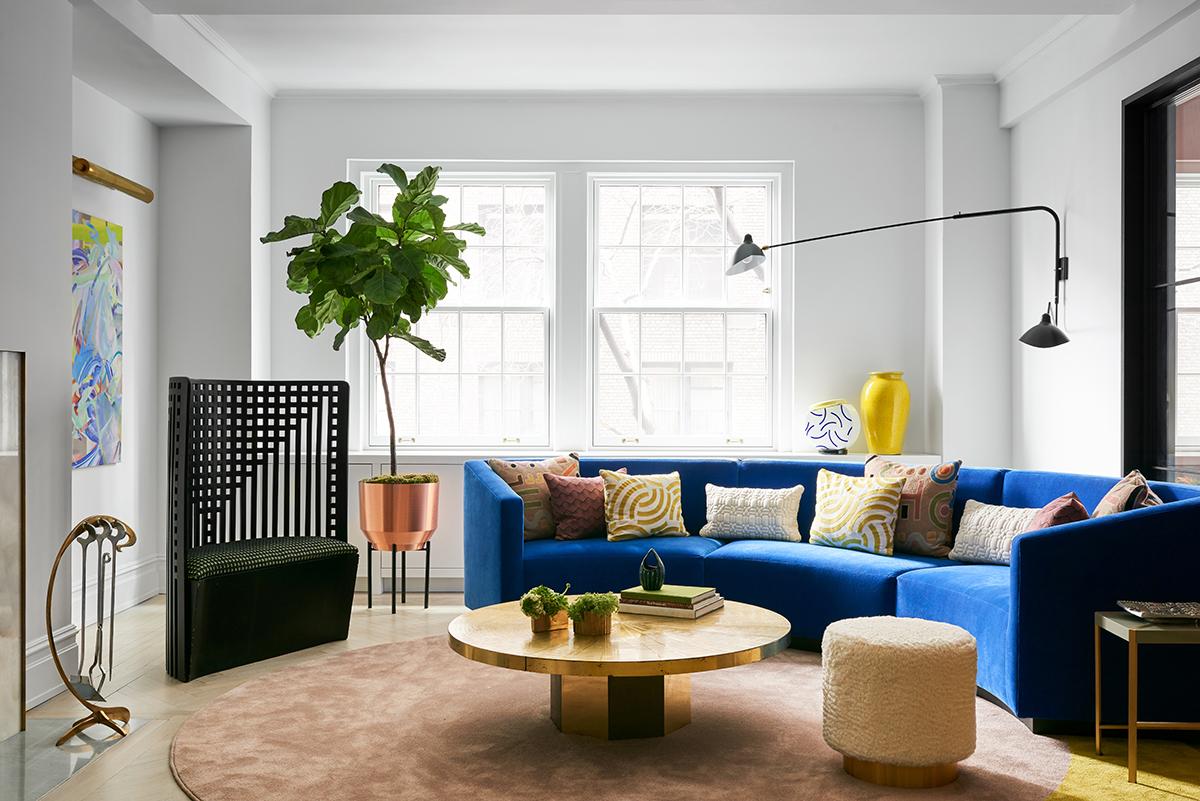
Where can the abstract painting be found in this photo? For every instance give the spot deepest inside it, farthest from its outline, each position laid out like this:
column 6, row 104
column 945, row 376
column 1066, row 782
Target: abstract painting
column 96, row 356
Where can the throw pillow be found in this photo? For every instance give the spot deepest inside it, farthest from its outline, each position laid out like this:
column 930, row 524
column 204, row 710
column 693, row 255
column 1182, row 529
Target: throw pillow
column 578, row 506
column 1064, row 509
column 528, row 479
column 642, row 506
column 747, row 513
column 856, row 513
column 1131, row 492
column 986, row 532
column 923, row 524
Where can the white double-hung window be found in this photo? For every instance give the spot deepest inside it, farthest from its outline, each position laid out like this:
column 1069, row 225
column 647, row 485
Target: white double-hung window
column 493, row 387
column 681, row 354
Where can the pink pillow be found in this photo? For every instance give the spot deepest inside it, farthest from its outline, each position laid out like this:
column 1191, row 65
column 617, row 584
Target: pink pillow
column 1065, row 509
column 577, row 505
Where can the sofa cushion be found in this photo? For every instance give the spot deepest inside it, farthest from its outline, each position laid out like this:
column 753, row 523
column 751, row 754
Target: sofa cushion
column 693, row 475
column 598, row 565
column 1131, row 492
column 975, row 597
column 777, row 474
column 811, row 585
column 856, row 513
column 209, row 561
column 637, row 507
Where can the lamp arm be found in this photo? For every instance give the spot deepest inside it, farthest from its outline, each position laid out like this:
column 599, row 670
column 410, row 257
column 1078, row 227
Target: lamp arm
column 1060, row 261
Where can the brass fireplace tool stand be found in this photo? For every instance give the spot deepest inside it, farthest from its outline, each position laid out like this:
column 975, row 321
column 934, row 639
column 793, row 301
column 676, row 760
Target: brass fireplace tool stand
column 110, row 536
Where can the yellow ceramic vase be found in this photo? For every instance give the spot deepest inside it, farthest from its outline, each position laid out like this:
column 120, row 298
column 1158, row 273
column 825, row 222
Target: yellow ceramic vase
column 884, row 407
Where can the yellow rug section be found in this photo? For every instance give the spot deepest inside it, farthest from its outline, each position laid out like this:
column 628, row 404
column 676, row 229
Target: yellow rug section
column 1167, row 769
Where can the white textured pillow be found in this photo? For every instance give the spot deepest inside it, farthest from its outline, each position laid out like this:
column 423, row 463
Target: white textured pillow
column 986, row 533
column 747, row 513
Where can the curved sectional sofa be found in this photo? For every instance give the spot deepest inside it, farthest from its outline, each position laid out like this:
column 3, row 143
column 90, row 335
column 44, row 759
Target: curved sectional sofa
column 1032, row 621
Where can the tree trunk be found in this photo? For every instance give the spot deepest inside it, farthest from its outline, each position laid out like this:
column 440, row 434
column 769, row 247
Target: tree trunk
column 387, row 401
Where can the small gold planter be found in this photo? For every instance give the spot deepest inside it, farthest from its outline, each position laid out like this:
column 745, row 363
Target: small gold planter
column 592, row 625
column 544, row 623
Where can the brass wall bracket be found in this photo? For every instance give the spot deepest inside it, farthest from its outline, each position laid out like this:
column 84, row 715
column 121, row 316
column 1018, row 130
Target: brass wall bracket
column 97, row 174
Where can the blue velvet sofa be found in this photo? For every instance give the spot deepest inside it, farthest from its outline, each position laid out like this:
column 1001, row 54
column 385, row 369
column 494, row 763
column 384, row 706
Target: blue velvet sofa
column 1032, row 621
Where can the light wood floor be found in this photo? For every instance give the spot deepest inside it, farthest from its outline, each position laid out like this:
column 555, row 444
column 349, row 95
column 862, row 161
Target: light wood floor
column 137, row 769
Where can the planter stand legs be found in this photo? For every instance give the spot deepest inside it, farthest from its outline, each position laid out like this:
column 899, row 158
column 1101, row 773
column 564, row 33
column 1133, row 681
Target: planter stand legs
column 403, row 576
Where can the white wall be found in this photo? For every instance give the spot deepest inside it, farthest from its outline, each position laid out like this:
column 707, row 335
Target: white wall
column 1066, row 152
column 968, row 271
column 120, row 140
column 35, row 306
column 859, row 302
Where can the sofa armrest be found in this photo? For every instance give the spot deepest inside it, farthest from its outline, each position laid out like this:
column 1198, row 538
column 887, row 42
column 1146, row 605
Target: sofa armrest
column 493, row 538
column 1063, row 575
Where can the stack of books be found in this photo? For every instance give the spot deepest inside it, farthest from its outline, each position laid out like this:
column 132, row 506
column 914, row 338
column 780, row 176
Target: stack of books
column 673, row 600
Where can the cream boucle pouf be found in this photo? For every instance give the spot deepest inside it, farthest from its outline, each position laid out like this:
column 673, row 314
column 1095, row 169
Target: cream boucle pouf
column 899, row 691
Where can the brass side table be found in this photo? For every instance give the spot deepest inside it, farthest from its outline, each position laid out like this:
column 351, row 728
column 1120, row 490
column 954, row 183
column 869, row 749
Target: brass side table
column 1136, row 631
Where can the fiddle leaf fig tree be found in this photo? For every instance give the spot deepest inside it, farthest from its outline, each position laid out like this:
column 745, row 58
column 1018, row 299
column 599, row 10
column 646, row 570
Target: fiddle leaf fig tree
column 381, row 274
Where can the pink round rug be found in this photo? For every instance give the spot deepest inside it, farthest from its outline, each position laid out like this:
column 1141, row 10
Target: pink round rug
column 414, row 720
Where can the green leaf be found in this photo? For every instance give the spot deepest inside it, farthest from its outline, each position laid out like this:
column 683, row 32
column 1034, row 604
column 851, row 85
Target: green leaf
column 361, row 215
column 352, row 310
column 384, row 287
column 306, row 322
column 341, row 337
column 337, row 200
column 396, row 174
column 337, row 270
column 328, row 309
column 471, row 228
column 423, row 345
column 379, row 325
column 294, row 226
column 303, row 262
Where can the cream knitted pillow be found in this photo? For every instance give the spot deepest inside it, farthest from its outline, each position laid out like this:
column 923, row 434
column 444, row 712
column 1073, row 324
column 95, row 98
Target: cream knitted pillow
column 748, row 513
column 986, row 532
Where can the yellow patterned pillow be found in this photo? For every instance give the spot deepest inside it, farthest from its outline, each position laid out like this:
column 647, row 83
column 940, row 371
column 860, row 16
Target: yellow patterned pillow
column 856, row 513
column 642, row 506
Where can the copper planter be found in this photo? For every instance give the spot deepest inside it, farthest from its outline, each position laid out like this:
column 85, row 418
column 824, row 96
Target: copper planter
column 555, row 622
column 591, row 624
column 404, row 515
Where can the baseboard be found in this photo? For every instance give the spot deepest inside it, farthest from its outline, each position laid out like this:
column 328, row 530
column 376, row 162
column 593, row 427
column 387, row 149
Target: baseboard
column 136, row 582
column 42, row 681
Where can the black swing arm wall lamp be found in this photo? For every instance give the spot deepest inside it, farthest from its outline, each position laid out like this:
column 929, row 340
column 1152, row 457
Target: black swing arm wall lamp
column 1045, row 334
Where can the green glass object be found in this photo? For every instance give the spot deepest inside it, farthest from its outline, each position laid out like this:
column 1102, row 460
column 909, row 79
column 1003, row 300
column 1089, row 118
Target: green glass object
column 652, row 572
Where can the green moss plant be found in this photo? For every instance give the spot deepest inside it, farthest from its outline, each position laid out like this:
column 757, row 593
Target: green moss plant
column 404, row 478
column 542, row 600
column 596, row 603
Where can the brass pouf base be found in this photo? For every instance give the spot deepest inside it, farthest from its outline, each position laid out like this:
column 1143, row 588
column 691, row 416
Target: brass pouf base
column 907, row 776
column 621, row 707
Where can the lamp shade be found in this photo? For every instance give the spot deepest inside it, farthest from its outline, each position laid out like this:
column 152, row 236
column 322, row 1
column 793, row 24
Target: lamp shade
column 747, row 256
column 1045, row 334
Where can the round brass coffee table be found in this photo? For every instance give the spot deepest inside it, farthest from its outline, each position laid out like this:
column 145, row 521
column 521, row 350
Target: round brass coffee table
column 634, row 682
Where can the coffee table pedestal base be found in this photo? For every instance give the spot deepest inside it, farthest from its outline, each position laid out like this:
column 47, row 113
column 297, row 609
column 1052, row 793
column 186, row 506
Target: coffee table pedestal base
column 621, row 707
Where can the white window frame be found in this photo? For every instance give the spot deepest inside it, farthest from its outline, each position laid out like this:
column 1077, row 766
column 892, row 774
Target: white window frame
column 370, row 182
column 570, row 346
column 771, row 441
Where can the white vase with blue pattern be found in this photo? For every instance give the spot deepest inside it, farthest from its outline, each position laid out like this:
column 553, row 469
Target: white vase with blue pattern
column 833, row 426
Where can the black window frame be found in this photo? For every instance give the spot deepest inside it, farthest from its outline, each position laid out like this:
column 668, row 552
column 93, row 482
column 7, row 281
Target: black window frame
column 1148, row 269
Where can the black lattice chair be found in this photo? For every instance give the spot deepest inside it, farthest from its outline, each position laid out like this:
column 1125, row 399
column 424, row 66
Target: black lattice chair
column 259, row 562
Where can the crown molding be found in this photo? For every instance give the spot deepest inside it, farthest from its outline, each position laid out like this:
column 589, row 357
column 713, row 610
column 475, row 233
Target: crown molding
column 1038, row 45
column 222, row 46
column 587, row 96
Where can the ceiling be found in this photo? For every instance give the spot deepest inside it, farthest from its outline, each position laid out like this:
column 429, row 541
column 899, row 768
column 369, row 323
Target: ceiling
column 738, row 7
column 857, row 53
